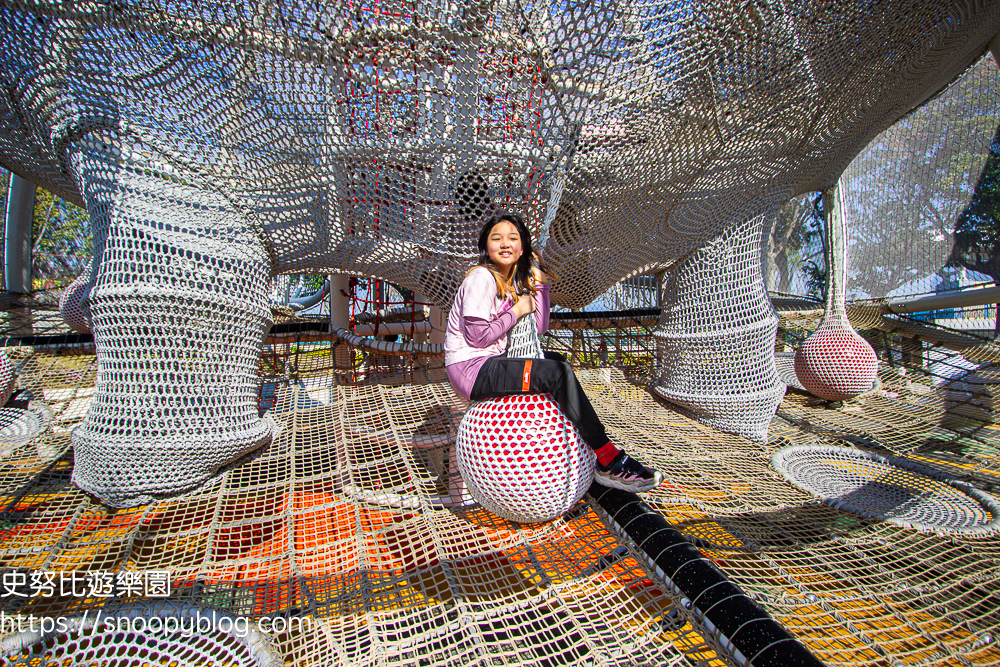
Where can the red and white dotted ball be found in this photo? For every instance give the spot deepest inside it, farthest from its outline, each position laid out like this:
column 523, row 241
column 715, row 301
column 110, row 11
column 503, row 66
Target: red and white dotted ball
column 836, row 363
column 522, row 459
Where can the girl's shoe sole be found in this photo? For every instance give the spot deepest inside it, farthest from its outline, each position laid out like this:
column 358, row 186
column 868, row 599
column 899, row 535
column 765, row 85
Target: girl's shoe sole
column 615, row 484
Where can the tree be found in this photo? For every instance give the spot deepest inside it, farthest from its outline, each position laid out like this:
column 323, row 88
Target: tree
column 4, row 184
column 62, row 244
column 977, row 233
column 907, row 190
column 794, row 244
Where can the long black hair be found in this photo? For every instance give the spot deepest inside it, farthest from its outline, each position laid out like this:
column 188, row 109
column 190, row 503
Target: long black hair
column 520, row 281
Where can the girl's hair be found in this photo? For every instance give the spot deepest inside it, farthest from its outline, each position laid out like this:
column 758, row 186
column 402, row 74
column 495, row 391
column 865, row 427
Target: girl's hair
column 520, row 279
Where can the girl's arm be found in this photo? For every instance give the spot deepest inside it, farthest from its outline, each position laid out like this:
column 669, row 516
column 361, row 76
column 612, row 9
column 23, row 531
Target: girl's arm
column 482, row 333
column 478, row 294
column 542, row 304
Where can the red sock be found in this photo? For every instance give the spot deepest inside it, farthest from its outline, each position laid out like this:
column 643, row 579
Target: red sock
column 606, row 454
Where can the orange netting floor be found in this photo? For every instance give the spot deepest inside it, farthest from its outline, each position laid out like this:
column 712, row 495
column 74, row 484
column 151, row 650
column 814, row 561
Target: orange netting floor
column 346, row 528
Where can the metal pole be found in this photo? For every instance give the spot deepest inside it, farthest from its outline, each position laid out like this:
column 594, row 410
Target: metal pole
column 340, row 317
column 17, row 234
column 958, row 299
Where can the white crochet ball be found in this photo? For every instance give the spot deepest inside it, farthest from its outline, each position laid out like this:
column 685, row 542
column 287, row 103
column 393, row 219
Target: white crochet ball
column 74, row 311
column 522, row 459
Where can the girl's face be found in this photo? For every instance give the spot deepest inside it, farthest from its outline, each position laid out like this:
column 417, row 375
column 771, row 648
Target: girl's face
column 504, row 246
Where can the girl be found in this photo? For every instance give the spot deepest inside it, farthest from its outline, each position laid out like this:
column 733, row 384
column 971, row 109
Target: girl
column 504, row 287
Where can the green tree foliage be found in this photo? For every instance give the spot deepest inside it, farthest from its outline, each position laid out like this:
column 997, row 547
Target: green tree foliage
column 62, row 245
column 909, row 187
column 977, row 233
column 61, row 239
column 795, row 248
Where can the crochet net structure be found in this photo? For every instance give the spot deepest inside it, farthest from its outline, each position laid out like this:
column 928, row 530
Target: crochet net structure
column 8, row 378
column 522, row 459
column 909, row 206
column 522, row 339
column 216, row 145
column 889, row 488
column 71, row 304
column 313, row 532
column 166, row 633
column 836, row 363
column 351, row 528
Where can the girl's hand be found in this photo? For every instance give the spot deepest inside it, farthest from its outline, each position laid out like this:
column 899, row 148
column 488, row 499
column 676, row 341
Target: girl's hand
column 525, row 304
column 537, row 273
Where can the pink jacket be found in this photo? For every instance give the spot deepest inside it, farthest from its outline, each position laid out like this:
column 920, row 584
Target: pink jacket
column 477, row 327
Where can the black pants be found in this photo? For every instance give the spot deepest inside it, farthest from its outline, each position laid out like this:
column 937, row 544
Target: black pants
column 501, row 376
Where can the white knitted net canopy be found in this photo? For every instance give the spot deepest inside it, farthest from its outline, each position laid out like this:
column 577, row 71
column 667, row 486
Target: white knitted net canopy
column 727, row 175
column 215, row 145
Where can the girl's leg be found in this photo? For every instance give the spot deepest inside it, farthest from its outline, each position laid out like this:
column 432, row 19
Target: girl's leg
column 501, row 376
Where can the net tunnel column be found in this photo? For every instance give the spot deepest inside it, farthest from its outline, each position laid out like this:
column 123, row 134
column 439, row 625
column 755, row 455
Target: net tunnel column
column 340, row 317
column 715, row 339
column 179, row 308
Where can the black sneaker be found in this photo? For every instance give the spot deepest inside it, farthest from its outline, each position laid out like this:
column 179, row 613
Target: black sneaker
column 627, row 474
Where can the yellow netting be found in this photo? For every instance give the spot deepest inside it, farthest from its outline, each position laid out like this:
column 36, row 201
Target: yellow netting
column 345, row 520
column 340, row 521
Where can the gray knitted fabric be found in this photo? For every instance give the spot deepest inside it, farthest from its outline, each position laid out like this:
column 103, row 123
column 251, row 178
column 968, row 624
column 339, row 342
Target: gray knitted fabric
column 522, row 339
column 216, row 145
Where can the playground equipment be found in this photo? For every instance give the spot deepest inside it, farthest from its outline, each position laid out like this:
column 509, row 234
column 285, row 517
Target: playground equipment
column 836, row 363
column 688, row 119
column 522, row 459
column 215, row 147
column 71, row 304
column 8, row 378
column 198, row 637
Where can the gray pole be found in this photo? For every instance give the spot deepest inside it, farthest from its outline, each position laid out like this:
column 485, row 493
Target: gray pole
column 17, row 234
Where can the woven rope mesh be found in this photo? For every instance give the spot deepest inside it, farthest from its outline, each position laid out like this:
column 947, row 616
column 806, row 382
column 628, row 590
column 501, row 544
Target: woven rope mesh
column 884, row 488
column 904, row 197
column 8, row 378
column 835, row 362
column 522, row 458
column 191, row 399
column 341, row 521
column 19, row 427
column 144, row 634
column 71, row 304
column 216, row 145
column 338, row 530
column 522, row 339
column 956, row 134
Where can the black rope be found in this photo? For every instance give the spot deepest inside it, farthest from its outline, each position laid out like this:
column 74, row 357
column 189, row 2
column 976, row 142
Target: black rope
column 630, row 313
column 761, row 640
column 83, row 339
